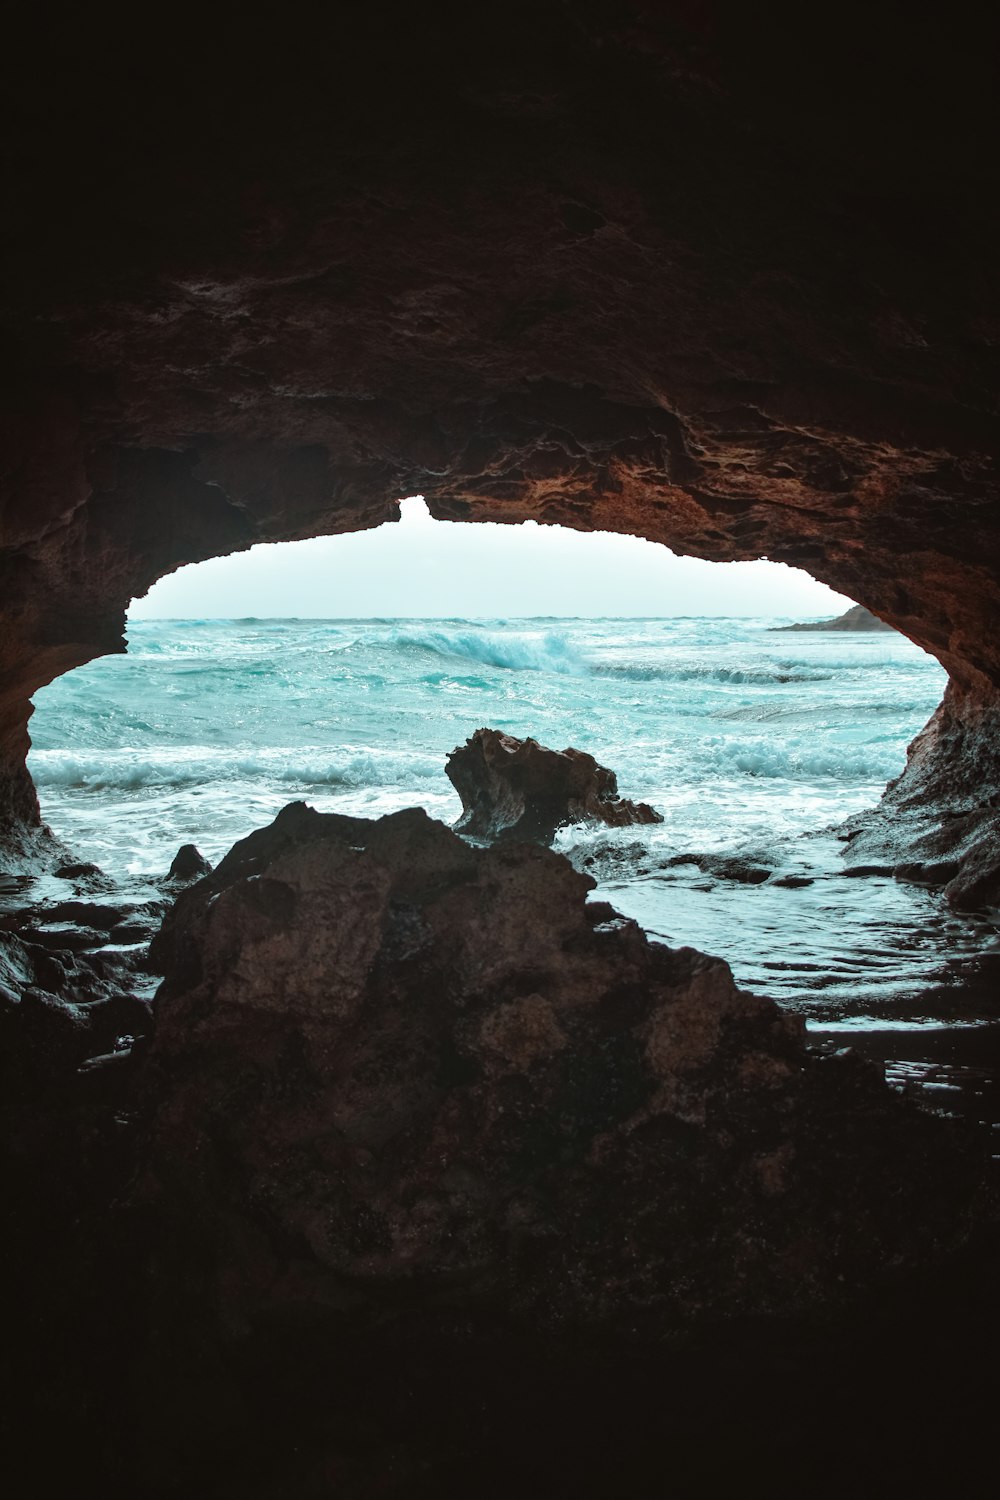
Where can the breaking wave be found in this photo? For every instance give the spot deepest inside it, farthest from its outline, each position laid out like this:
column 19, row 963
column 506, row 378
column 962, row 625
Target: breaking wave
column 530, row 651
column 128, row 770
column 808, row 759
column 740, row 676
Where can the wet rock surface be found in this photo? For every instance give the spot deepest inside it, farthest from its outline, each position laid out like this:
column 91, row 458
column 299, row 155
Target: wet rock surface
column 69, row 993
column 390, row 1067
column 518, row 789
column 74, row 988
column 939, row 822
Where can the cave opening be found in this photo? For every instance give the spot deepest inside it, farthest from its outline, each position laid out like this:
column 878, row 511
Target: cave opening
column 291, row 672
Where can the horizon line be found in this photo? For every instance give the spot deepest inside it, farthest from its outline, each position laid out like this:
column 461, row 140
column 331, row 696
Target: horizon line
column 330, row 619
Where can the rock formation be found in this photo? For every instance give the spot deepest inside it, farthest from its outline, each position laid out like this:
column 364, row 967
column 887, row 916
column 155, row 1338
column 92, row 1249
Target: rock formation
column 625, row 268
column 391, row 1070
column 519, row 789
column 857, row 618
column 188, row 864
column 940, row 820
column 73, row 994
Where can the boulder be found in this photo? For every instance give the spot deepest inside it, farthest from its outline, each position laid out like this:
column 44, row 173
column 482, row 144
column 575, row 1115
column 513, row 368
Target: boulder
column 188, row 864
column 392, row 1070
column 519, row 789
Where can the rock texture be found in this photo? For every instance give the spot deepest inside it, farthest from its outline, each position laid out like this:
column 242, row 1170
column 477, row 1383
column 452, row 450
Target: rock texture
column 188, row 864
column 857, row 618
column 72, row 990
column 394, row 1070
column 940, row 821
column 651, row 269
column 519, row 789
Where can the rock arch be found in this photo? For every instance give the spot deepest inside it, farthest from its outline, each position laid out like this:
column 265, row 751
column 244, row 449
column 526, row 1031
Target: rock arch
column 643, row 269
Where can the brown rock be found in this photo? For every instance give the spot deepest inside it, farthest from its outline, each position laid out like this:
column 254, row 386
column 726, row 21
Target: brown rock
column 519, row 789
column 391, row 1069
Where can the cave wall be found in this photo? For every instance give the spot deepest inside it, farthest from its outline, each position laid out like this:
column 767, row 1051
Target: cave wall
column 717, row 279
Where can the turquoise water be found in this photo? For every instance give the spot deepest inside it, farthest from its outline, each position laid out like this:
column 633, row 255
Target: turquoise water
column 750, row 743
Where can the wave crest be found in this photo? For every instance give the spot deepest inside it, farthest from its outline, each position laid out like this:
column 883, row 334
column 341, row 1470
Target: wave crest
column 346, row 766
column 548, row 651
column 746, row 676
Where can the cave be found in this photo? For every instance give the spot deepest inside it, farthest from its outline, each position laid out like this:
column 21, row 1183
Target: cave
column 646, row 274
column 715, row 278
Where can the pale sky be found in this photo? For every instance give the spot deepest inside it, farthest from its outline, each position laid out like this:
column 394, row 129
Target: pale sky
column 419, row 566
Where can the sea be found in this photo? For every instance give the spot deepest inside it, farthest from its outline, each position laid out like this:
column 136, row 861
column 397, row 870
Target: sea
column 755, row 744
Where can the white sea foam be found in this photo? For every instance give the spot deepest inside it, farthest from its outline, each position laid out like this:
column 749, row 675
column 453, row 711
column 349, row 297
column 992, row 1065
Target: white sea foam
column 525, row 651
column 805, row 759
column 197, row 765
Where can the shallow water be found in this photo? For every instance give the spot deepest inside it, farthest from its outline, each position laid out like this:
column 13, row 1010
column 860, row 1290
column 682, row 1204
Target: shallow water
column 752, row 743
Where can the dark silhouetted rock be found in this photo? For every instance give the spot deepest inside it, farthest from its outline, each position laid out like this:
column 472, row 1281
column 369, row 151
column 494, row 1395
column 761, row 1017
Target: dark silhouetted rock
column 135, row 931
column 65, row 937
column 91, row 913
column 80, row 870
column 188, row 864
column 519, row 789
column 742, row 868
column 734, row 867
column 856, row 618
column 392, row 1069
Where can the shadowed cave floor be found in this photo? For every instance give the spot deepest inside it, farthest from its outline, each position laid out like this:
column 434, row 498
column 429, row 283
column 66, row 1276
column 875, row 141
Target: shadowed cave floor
column 900, row 1396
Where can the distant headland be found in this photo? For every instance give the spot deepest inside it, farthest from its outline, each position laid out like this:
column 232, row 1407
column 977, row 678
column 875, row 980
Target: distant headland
column 856, row 618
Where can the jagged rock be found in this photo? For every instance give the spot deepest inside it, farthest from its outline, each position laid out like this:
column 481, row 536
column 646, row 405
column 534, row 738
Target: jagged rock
column 856, row 618
column 63, row 999
column 744, row 869
column 519, row 789
column 392, row 1068
column 65, row 937
column 188, row 864
column 135, row 931
column 943, row 812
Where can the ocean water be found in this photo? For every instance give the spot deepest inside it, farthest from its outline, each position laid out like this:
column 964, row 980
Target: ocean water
column 751, row 743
